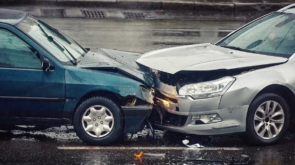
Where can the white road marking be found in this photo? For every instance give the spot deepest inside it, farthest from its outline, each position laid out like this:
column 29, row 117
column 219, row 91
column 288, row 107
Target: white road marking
column 151, row 148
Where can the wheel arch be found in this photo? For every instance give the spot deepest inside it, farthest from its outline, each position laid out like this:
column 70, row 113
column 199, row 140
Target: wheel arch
column 287, row 94
column 269, row 91
column 89, row 100
column 103, row 93
column 282, row 91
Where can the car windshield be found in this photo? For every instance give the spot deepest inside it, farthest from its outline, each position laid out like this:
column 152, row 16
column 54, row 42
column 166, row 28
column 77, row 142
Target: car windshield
column 273, row 34
column 58, row 44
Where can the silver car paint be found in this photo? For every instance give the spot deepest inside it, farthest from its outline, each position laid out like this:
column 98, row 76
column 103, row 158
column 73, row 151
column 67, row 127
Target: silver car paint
column 233, row 105
column 256, row 81
column 233, row 121
column 203, row 57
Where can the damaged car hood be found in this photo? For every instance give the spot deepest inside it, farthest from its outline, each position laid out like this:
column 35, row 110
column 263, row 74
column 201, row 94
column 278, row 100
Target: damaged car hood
column 118, row 61
column 204, row 57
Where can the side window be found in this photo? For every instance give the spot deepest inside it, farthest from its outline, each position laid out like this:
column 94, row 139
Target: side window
column 15, row 53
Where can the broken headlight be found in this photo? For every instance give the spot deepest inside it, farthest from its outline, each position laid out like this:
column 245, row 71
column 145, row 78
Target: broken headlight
column 207, row 89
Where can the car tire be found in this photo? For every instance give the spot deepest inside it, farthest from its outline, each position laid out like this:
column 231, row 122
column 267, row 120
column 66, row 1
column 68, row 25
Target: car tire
column 267, row 126
column 98, row 121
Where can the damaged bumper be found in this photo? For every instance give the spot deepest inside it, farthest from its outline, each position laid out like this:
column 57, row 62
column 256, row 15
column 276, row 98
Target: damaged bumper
column 137, row 111
column 135, row 117
column 198, row 116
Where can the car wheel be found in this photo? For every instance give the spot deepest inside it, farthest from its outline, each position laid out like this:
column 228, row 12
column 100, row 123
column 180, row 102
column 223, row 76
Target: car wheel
column 98, row 121
column 267, row 120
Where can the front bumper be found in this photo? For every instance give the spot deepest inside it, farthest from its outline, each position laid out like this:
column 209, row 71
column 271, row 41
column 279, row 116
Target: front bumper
column 178, row 116
column 135, row 117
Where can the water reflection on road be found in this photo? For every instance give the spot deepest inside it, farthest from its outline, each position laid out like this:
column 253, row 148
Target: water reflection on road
column 61, row 146
column 142, row 36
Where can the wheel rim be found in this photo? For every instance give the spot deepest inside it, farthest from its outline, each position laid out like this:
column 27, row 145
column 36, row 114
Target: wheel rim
column 269, row 119
column 98, row 121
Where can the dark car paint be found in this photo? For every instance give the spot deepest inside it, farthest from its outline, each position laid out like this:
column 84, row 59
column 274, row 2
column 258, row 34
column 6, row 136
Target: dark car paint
column 25, row 84
column 123, row 62
column 29, row 96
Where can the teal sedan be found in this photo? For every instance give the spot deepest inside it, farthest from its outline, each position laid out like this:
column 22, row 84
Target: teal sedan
column 47, row 79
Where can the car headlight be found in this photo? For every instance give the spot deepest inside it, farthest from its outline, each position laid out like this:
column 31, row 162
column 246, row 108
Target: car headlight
column 207, row 89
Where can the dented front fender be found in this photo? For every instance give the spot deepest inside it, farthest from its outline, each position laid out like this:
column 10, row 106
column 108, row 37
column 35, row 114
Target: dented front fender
column 247, row 86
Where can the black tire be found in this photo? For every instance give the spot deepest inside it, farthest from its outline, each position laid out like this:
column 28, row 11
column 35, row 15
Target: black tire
column 113, row 134
column 251, row 134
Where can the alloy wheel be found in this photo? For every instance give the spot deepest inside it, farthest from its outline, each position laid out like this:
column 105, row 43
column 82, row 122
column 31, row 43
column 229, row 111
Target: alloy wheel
column 269, row 119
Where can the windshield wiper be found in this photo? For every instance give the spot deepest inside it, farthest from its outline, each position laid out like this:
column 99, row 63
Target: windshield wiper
column 75, row 60
column 238, row 48
column 59, row 45
column 232, row 47
column 56, row 31
column 60, row 35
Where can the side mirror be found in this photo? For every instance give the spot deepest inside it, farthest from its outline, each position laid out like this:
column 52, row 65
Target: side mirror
column 46, row 65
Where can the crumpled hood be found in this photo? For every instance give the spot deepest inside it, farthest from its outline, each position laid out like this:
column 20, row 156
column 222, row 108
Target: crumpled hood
column 120, row 61
column 203, row 57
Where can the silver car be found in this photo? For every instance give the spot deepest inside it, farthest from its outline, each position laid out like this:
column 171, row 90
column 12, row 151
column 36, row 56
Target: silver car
column 243, row 83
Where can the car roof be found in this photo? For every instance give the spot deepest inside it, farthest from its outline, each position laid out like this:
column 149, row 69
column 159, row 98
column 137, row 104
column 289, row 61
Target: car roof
column 12, row 17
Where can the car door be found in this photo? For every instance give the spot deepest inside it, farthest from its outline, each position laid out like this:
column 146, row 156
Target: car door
column 26, row 90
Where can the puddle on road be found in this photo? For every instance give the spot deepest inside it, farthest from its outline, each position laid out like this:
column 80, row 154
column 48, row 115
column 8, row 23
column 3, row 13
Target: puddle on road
column 157, row 157
column 55, row 134
column 144, row 138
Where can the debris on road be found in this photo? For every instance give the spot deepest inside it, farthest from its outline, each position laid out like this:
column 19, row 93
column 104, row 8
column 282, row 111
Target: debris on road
column 138, row 157
column 197, row 145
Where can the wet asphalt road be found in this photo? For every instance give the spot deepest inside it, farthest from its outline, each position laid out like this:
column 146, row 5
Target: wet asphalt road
column 61, row 146
column 141, row 36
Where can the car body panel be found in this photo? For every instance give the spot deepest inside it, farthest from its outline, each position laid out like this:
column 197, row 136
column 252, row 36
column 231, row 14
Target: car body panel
column 252, row 72
column 203, row 57
column 80, row 82
column 234, row 121
column 232, row 106
column 119, row 61
column 46, row 90
column 31, row 93
column 138, row 115
column 67, row 84
column 277, row 75
column 189, row 106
